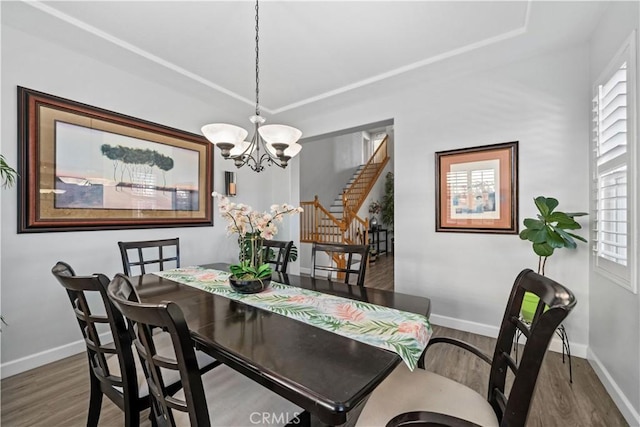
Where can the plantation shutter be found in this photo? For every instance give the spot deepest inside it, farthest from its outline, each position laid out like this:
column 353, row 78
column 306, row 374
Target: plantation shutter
column 611, row 131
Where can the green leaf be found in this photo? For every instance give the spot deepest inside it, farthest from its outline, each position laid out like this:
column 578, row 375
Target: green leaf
column 569, row 225
column 539, row 236
column 559, row 217
column 533, row 224
column 575, row 236
column 542, row 249
column 552, row 203
column 264, row 271
column 524, row 234
column 573, row 214
column 555, row 240
column 541, row 204
column 568, row 240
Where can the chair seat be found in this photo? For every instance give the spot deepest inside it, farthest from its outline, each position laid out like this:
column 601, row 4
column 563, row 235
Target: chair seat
column 165, row 348
column 235, row 400
column 420, row 390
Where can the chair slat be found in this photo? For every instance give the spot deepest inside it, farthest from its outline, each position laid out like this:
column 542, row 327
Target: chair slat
column 149, row 252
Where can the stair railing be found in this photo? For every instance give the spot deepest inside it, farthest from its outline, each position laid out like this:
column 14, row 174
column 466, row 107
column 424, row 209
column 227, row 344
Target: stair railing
column 317, row 224
column 357, row 230
column 354, row 196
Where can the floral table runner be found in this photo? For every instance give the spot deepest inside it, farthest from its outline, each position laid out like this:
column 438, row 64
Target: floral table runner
column 406, row 334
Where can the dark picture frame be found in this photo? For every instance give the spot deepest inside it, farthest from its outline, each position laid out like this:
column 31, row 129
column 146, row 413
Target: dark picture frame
column 477, row 189
column 87, row 168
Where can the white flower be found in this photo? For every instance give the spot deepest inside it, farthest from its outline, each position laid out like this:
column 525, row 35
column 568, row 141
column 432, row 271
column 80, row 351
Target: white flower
column 242, row 219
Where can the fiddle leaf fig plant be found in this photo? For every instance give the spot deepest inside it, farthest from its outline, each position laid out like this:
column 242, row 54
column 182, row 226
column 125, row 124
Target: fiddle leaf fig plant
column 548, row 231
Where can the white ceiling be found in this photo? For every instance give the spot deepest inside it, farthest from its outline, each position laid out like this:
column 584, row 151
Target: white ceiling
column 308, row 50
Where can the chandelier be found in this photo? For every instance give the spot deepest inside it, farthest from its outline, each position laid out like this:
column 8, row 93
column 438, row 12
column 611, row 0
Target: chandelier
column 270, row 144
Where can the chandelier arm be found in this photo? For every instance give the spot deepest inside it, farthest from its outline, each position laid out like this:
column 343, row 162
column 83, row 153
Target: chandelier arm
column 271, row 160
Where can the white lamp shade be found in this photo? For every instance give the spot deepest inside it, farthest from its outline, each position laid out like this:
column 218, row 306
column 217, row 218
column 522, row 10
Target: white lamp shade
column 279, row 134
column 222, row 132
column 291, row 151
column 240, row 148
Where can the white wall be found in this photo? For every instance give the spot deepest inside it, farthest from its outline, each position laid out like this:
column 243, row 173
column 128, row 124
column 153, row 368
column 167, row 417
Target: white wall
column 326, row 165
column 614, row 335
column 543, row 102
column 488, row 96
column 42, row 327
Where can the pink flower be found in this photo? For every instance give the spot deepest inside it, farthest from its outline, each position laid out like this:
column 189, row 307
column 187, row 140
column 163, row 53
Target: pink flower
column 297, row 299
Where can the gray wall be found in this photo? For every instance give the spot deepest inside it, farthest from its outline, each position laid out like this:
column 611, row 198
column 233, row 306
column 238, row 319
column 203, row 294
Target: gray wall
column 492, row 96
column 326, row 165
column 489, row 95
column 539, row 101
column 42, row 327
column 614, row 335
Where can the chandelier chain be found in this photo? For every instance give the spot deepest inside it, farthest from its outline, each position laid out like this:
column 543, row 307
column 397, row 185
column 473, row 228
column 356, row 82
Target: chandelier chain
column 250, row 152
column 257, row 63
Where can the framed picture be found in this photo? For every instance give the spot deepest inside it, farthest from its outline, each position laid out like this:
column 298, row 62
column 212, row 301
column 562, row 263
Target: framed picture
column 477, row 189
column 85, row 168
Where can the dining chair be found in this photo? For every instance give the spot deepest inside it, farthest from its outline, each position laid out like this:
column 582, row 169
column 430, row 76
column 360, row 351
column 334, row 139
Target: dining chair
column 112, row 366
column 527, row 311
column 113, row 370
column 221, row 397
column 343, row 261
column 422, row 397
column 278, row 252
column 159, row 255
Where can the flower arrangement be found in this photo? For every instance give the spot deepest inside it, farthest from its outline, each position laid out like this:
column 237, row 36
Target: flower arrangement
column 252, row 228
column 375, row 207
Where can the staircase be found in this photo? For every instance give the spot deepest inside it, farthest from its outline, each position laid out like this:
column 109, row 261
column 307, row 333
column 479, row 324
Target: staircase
column 340, row 223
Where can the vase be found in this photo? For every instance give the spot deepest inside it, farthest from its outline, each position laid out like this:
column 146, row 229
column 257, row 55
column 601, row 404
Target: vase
column 249, row 286
column 373, row 224
column 251, row 249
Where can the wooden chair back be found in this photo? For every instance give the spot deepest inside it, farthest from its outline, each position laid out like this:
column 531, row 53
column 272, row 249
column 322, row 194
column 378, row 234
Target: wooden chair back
column 169, row 317
column 122, row 389
column 344, row 261
column 280, row 251
column 560, row 301
column 159, row 255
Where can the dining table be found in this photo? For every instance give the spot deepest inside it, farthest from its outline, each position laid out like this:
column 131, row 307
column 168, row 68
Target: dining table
column 328, row 375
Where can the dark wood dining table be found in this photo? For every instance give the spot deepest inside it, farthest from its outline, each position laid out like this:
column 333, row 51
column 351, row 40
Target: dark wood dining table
column 326, row 374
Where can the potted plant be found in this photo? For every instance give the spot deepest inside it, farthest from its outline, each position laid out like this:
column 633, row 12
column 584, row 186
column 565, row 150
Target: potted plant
column 8, row 177
column 374, row 209
column 7, row 173
column 387, row 201
column 253, row 272
column 547, row 233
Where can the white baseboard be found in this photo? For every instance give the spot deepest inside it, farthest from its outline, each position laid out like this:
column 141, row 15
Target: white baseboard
column 624, row 405
column 578, row 350
column 26, row 363
column 304, row 270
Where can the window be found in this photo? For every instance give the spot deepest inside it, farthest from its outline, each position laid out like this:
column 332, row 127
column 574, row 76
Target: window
column 614, row 148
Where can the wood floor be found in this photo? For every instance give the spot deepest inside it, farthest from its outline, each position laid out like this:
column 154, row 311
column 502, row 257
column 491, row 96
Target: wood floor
column 57, row 394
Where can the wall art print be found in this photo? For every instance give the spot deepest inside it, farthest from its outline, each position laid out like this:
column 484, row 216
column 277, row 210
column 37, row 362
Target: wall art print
column 85, row 168
column 477, row 189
